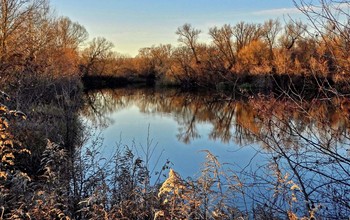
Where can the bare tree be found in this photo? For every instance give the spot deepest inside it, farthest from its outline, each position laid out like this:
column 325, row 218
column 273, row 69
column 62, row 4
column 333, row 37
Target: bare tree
column 222, row 38
column 189, row 36
column 293, row 31
column 97, row 52
column 245, row 33
column 13, row 15
column 70, row 34
column 271, row 29
column 330, row 22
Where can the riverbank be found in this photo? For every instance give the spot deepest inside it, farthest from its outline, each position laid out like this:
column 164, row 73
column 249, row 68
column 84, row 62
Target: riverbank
column 103, row 81
column 244, row 84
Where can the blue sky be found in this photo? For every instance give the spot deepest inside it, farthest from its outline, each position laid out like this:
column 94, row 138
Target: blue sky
column 133, row 24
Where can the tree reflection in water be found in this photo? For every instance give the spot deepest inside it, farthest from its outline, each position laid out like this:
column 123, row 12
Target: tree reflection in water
column 307, row 142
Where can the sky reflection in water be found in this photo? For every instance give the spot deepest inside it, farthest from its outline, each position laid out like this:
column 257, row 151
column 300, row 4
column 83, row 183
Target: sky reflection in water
column 306, row 143
column 184, row 124
column 130, row 124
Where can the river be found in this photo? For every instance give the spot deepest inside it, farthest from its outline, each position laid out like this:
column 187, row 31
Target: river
column 268, row 142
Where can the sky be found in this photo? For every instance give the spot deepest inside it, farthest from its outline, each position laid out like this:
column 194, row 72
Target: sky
column 134, row 24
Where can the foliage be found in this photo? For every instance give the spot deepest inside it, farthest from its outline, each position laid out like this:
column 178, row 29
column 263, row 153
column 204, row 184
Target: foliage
column 13, row 181
column 119, row 188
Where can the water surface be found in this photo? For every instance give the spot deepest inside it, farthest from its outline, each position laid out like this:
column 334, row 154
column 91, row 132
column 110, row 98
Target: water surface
column 289, row 153
column 235, row 129
column 180, row 125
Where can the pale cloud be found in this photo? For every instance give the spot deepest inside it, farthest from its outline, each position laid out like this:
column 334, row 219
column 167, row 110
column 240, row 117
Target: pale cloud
column 277, row 12
column 340, row 7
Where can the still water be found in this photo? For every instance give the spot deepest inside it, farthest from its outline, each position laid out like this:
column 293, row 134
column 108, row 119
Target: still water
column 180, row 126
column 281, row 151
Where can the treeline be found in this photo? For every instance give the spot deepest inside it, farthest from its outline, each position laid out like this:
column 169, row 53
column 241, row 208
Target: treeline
column 37, row 44
column 257, row 54
column 34, row 43
column 249, row 53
